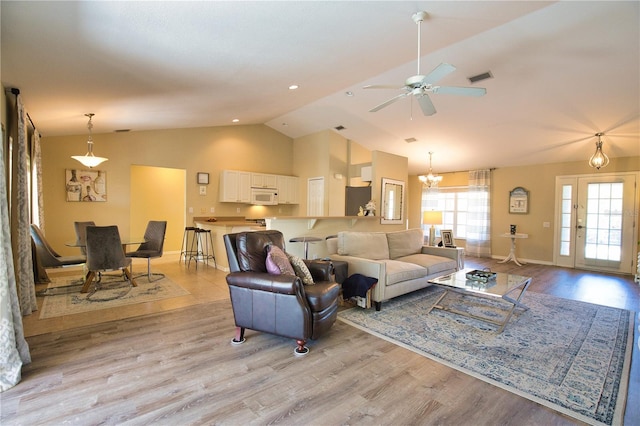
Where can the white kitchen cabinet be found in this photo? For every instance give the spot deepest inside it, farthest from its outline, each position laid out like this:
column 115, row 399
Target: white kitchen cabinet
column 288, row 190
column 235, row 186
column 263, row 180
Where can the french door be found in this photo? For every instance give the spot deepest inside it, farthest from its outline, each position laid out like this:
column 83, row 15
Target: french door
column 596, row 223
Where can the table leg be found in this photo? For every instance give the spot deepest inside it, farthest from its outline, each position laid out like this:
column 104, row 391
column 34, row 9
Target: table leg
column 512, row 254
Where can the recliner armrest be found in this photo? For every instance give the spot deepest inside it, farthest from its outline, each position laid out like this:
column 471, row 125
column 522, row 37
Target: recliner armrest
column 282, row 284
column 321, row 270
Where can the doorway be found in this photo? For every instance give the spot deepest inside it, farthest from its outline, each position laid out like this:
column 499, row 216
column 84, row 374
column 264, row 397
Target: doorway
column 596, row 222
column 158, row 193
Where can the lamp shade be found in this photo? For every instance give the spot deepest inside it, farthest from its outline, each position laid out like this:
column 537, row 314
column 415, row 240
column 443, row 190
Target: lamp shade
column 432, row 217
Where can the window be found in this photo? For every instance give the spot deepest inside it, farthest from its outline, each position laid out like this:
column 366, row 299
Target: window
column 453, row 203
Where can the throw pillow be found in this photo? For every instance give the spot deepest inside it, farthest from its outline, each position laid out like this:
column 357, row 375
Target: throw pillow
column 277, row 262
column 301, row 269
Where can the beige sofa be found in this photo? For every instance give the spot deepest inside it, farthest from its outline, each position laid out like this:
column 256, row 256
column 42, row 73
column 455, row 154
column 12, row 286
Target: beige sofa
column 398, row 260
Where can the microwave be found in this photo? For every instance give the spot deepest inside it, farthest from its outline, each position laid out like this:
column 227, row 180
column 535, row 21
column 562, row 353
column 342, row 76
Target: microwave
column 264, row 197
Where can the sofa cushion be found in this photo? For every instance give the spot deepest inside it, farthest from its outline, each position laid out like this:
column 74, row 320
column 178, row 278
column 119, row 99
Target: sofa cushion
column 332, row 245
column 277, row 262
column 398, row 271
column 433, row 264
column 367, row 245
column 300, row 269
column 404, row 243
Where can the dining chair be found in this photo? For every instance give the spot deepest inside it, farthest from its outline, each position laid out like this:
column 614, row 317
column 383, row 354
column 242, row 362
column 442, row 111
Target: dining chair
column 152, row 246
column 81, row 234
column 105, row 254
column 46, row 256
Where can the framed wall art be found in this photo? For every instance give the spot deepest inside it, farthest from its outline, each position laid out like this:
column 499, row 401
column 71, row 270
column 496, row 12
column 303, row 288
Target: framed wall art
column 203, row 178
column 519, row 201
column 86, row 185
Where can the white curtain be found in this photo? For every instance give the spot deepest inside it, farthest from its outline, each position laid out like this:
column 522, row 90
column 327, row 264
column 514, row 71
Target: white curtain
column 37, row 200
column 14, row 350
column 479, row 214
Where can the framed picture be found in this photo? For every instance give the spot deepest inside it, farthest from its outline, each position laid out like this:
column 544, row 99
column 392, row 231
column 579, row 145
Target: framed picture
column 447, row 237
column 203, row 178
column 519, row 201
column 86, row 185
column 392, row 211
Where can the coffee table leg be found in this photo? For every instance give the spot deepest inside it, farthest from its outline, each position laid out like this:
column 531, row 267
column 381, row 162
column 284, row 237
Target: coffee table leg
column 435, row 304
column 516, row 304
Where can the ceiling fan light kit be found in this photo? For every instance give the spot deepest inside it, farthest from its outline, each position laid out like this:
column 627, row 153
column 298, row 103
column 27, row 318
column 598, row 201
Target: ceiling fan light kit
column 599, row 159
column 420, row 85
column 89, row 160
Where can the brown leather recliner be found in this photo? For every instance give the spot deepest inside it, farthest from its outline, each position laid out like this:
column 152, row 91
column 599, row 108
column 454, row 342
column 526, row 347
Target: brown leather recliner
column 277, row 304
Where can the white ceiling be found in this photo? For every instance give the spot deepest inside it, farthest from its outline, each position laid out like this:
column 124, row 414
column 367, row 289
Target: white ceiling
column 562, row 72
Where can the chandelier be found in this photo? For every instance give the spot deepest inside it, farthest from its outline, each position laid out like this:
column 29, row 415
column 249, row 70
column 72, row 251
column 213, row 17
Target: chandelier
column 89, row 160
column 599, row 159
column 430, row 180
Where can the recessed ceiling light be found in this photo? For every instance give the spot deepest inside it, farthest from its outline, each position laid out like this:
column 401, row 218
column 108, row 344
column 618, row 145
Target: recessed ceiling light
column 293, row 87
column 349, row 93
column 235, row 120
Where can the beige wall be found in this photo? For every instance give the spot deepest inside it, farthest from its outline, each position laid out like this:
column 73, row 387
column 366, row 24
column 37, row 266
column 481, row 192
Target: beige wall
column 539, row 180
column 255, row 148
column 390, row 166
column 325, row 154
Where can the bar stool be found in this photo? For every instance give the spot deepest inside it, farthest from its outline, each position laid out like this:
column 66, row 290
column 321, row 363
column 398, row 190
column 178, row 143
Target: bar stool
column 206, row 242
column 199, row 249
column 189, row 235
column 306, row 241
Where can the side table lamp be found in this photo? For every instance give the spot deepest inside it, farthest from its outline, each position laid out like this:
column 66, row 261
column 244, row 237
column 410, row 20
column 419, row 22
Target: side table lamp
column 432, row 217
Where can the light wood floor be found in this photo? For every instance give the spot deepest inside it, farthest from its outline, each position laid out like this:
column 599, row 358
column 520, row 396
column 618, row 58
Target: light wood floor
column 171, row 362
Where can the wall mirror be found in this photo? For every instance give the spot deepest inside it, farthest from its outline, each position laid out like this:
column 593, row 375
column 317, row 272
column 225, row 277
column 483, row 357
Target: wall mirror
column 392, row 201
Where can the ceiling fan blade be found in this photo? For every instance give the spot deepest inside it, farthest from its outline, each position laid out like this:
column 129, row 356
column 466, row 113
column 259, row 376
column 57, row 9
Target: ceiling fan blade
column 426, row 105
column 438, row 73
column 464, row 91
column 389, row 102
column 381, row 86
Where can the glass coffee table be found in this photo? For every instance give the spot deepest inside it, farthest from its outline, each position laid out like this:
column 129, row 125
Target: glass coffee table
column 508, row 287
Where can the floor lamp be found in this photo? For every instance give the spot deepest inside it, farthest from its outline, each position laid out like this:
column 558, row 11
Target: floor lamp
column 432, row 218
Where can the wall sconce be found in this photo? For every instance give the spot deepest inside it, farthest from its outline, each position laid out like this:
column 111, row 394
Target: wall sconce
column 432, row 217
column 89, row 160
column 599, row 159
column 430, row 180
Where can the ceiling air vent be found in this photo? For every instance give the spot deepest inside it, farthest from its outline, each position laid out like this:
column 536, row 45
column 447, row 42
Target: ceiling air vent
column 480, row 77
column 338, row 128
column 409, row 140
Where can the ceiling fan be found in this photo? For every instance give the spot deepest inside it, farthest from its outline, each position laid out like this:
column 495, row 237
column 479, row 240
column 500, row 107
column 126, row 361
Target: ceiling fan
column 420, row 85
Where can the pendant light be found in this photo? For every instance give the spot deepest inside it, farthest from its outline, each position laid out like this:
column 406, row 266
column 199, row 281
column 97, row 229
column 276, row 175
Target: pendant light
column 599, row 159
column 89, row 160
column 430, row 180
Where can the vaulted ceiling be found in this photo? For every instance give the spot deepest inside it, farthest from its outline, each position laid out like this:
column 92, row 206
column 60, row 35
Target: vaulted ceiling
column 562, row 71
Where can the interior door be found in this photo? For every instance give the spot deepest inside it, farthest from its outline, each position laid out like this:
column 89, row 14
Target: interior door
column 596, row 226
column 315, row 197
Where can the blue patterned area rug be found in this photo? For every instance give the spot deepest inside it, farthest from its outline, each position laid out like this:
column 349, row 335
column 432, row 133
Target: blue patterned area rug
column 573, row 357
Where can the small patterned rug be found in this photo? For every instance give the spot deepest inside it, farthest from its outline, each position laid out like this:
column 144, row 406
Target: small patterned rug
column 66, row 299
column 573, row 357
